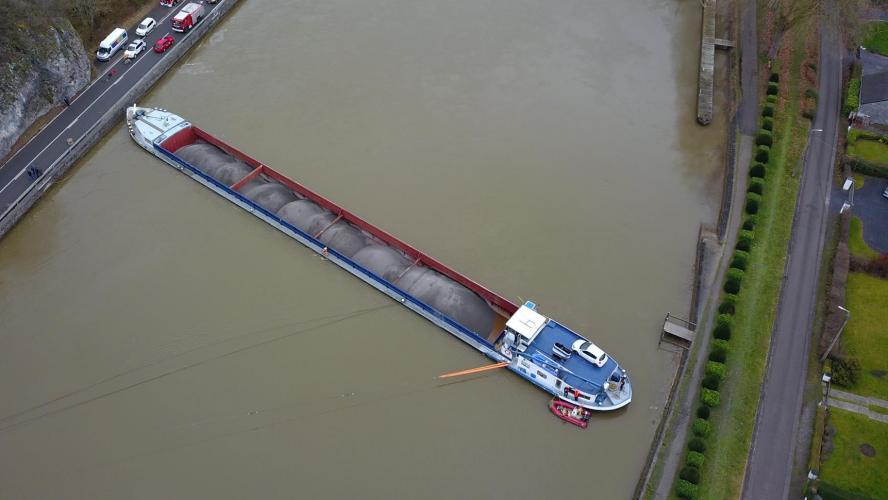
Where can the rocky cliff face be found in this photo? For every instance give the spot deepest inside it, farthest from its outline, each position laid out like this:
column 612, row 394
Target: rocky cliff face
column 42, row 60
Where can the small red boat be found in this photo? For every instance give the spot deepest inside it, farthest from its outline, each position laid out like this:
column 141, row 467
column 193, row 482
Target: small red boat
column 569, row 412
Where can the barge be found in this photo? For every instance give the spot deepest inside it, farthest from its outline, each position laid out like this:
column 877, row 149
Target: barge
column 539, row 349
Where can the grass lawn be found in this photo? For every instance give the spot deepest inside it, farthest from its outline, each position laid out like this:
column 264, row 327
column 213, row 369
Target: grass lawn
column 734, row 419
column 847, row 467
column 856, row 244
column 866, row 335
column 870, row 150
column 877, row 38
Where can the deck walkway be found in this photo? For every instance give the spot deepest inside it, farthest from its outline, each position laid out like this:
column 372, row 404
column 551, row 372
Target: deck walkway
column 707, row 64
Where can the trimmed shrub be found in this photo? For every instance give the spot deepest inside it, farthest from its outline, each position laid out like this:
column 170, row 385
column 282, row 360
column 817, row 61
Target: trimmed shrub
column 852, row 98
column 701, row 428
column 764, row 138
column 810, row 114
column 768, row 123
column 744, row 240
column 718, row 351
column 741, row 260
column 762, row 154
column 709, row 397
column 771, row 99
column 711, row 382
column 756, row 186
column 868, row 168
column 728, row 304
column 768, row 109
column 845, row 371
column 697, row 444
column 757, row 170
column 702, row 412
column 810, row 93
column 723, row 326
column 753, row 200
column 749, row 222
column 716, row 369
column 694, row 458
column 775, row 77
column 690, row 474
column 773, row 88
column 685, row 489
column 733, row 281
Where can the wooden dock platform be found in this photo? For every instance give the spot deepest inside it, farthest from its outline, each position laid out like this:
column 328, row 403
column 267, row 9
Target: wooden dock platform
column 707, row 65
column 678, row 329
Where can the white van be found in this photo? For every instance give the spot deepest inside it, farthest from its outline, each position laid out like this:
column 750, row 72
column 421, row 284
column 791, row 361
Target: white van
column 111, row 44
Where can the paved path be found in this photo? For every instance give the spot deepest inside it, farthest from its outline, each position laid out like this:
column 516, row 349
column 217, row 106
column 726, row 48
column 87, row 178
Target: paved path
column 872, row 208
column 748, row 69
column 86, row 108
column 770, row 465
column 858, row 404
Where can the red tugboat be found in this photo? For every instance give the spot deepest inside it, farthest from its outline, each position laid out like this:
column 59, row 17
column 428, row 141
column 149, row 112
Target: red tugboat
column 572, row 413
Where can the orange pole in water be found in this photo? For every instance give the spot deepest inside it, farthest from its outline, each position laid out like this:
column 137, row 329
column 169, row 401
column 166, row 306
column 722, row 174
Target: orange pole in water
column 475, row 370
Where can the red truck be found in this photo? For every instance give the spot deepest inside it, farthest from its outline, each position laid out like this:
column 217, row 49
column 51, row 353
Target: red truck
column 186, row 18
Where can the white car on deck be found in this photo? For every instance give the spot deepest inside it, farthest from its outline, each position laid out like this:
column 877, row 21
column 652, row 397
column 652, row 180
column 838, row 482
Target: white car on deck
column 134, row 49
column 591, row 352
column 146, row 26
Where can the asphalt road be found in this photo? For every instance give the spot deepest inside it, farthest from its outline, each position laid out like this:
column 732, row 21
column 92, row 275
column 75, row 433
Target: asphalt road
column 85, row 109
column 770, row 465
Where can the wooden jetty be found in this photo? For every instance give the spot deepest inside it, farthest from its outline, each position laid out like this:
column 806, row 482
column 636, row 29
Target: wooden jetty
column 678, row 331
column 708, row 44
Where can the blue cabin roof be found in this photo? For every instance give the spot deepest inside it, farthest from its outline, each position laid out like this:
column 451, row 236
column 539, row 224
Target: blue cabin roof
column 576, row 371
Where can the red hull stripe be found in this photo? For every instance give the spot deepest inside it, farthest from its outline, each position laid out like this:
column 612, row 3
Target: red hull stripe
column 188, row 136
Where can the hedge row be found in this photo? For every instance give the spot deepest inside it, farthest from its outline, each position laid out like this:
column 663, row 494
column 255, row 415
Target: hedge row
column 852, row 99
column 867, row 167
column 716, row 369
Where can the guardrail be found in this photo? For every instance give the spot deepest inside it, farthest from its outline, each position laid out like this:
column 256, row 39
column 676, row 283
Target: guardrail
column 75, row 150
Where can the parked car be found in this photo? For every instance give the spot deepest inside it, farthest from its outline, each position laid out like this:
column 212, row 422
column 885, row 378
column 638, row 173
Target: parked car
column 168, row 3
column 590, row 352
column 146, row 26
column 885, row 192
column 134, row 49
column 163, row 44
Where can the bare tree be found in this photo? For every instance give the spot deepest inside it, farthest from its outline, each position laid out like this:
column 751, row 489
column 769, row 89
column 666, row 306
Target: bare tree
column 847, row 15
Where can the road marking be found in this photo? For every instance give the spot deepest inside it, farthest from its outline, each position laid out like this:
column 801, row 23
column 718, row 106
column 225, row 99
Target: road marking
column 54, row 139
column 88, row 106
column 78, row 96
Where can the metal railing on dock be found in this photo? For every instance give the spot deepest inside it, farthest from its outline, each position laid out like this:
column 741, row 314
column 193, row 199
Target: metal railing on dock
column 678, row 330
column 708, row 44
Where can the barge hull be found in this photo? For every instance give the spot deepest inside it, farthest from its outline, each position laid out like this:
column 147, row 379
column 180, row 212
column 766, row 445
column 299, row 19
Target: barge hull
column 591, row 386
column 416, row 305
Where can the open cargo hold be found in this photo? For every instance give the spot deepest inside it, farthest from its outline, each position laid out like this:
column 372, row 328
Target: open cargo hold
column 533, row 346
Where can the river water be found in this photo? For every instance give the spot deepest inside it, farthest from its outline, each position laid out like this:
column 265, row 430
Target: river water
column 157, row 342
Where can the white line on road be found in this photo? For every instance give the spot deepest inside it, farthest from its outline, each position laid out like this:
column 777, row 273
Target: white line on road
column 78, row 96
column 54, row 139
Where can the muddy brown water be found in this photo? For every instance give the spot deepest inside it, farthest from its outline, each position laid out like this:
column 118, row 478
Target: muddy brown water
column 157, row 342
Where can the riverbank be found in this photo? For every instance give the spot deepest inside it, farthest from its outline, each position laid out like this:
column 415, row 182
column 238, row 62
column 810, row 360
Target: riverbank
column 723, row 427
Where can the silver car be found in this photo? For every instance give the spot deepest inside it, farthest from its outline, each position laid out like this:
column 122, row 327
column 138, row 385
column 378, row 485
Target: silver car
column 134, row 49
column 146, row 26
